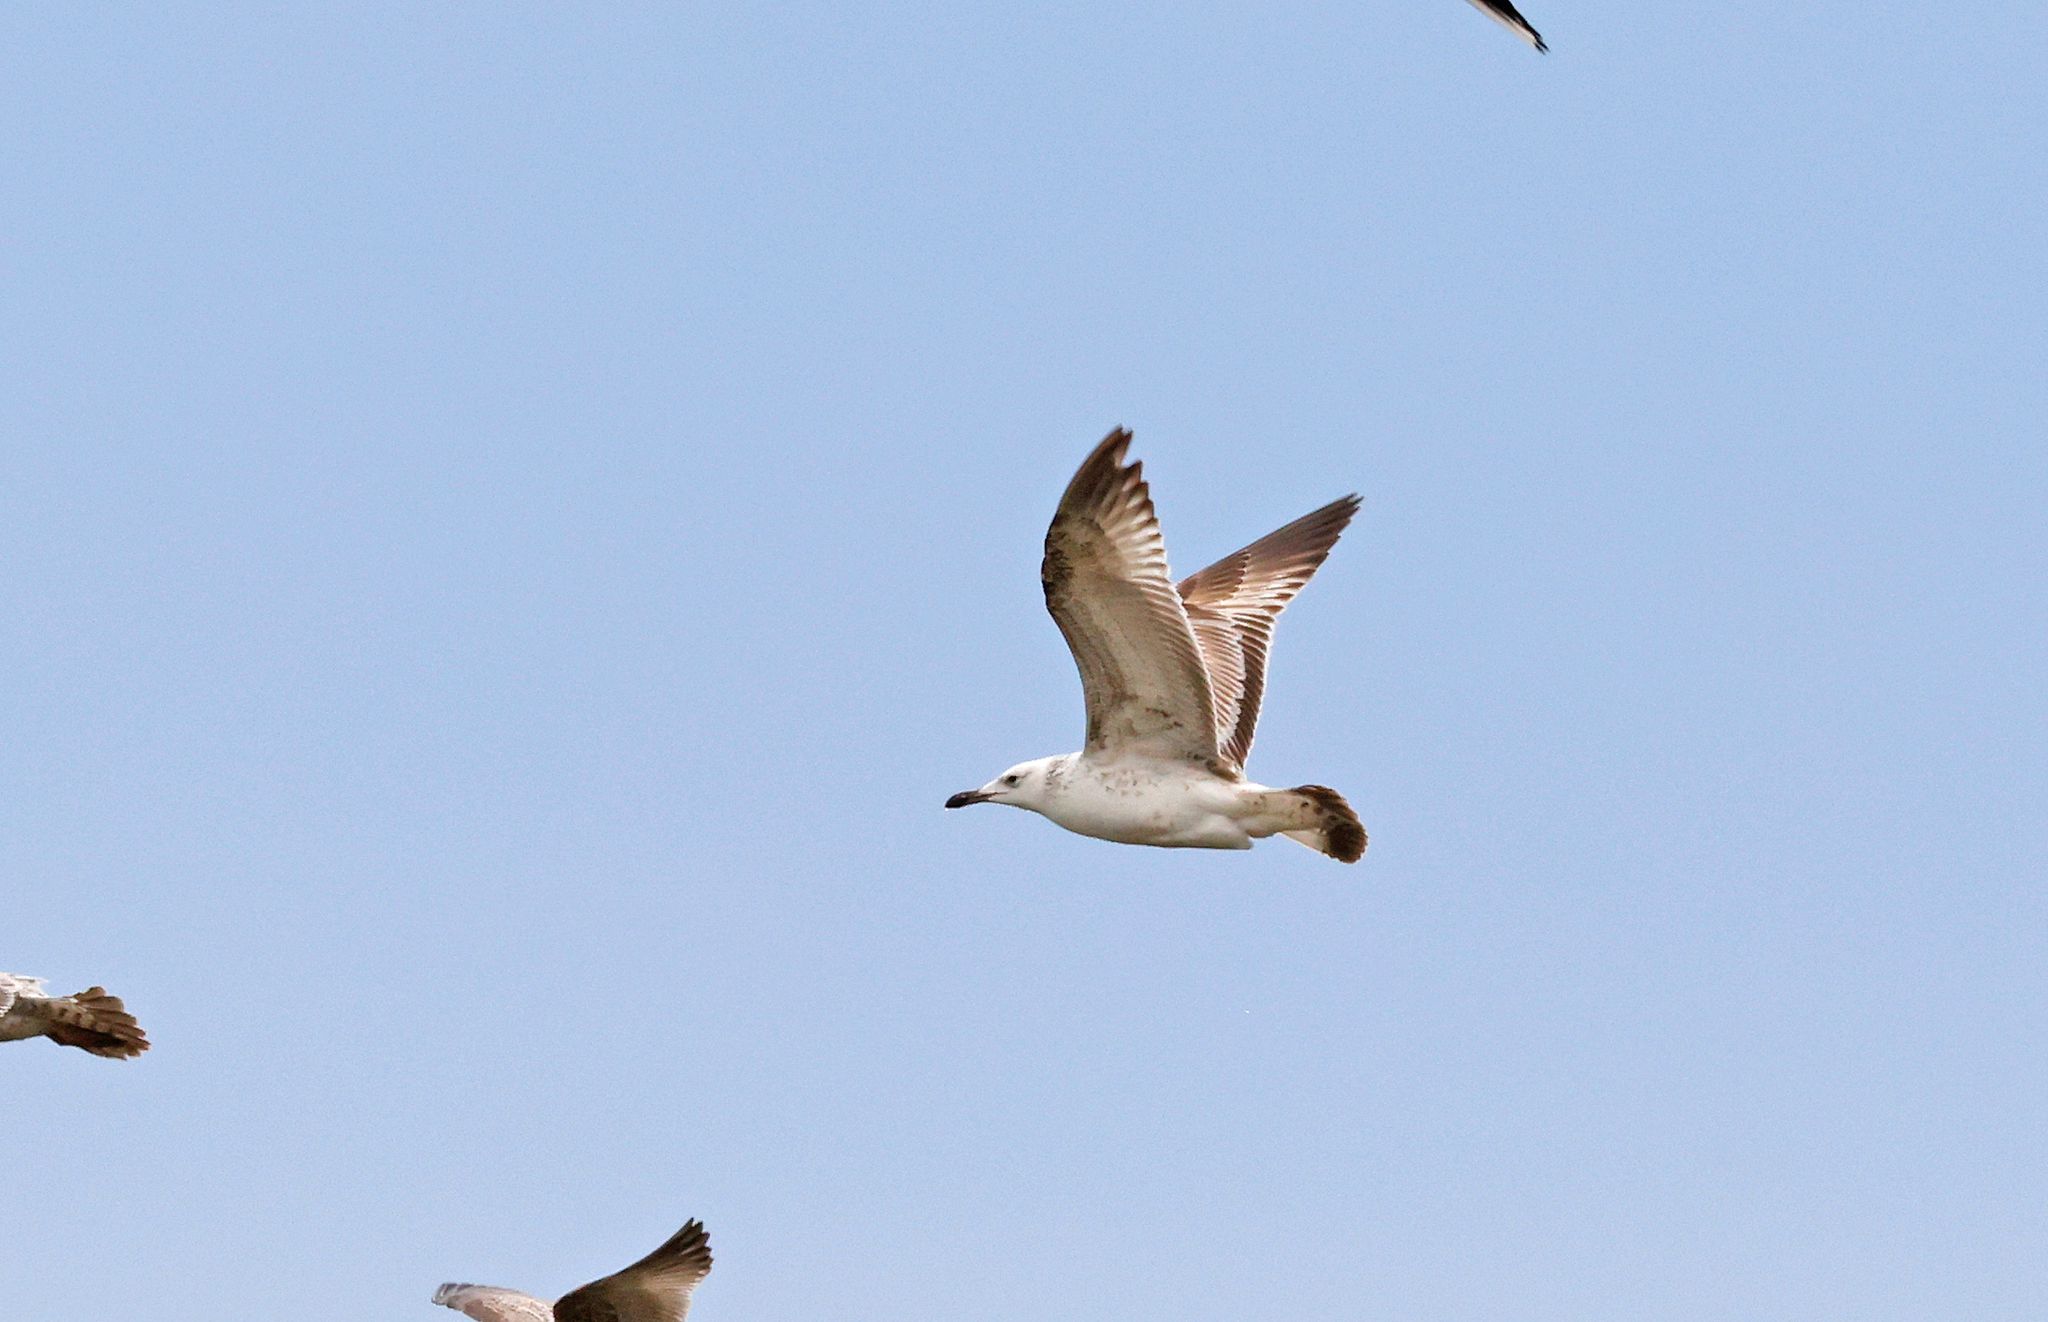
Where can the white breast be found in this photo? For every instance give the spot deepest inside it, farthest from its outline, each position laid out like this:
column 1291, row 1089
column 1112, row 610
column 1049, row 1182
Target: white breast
column 1144, row 802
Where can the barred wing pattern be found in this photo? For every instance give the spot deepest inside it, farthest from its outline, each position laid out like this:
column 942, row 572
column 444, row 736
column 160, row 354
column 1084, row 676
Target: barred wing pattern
column 1107, row 587
column 1234, row 603
column 92, row 1020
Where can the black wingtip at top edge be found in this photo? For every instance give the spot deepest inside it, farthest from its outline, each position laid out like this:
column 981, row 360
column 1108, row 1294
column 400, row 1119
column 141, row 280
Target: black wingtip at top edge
column 1509, row 17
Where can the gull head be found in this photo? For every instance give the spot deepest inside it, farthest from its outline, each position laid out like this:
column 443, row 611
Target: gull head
column 1022, row 786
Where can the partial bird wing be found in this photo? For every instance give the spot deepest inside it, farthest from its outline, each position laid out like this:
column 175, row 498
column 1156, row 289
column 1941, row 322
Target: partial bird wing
column 21, row 984
column 1107, row 588
column 491, row 1303
column 1510, row 18
column 10, row 988
column 94, row 1021
column 655, row 1289
column 1234, row 603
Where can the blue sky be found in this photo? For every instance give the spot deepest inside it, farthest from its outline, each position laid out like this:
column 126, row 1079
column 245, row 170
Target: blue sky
column 514, row 519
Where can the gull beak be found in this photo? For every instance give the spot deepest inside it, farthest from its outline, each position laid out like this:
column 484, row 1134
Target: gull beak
column 965, row 797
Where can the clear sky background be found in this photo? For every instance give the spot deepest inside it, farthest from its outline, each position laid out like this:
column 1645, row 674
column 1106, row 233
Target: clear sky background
column 512, row 520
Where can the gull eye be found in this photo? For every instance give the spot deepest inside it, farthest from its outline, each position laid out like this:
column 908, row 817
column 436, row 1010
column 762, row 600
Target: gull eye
column 1011, row 779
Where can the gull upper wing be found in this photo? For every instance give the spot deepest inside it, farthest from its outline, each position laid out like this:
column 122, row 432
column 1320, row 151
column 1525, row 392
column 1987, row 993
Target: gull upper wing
column 491, row 1303
column 1234, row 603
column 655, row 1289
column 1108, row 589
column 1510, row 18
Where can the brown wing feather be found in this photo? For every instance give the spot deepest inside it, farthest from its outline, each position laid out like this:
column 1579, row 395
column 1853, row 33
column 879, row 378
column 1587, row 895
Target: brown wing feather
column 96, row 1022
column 1234, row 603
column 1107, row 587
column 655, row 1289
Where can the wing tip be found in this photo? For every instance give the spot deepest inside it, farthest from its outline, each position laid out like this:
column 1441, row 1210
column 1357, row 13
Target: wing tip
column 106, row 1029
column 1511, row 18
column 1109, row 486
column 1322, row 527
column 1110, row 449
column 688, row 1249
column 1105, row 459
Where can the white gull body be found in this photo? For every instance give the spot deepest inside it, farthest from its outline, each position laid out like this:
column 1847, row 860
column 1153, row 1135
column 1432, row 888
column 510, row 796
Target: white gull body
column 1172, row 675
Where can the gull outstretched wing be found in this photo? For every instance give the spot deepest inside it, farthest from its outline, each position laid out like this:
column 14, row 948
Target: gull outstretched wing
column 655, row 1289
column 1108, row 589
column 1234, row 603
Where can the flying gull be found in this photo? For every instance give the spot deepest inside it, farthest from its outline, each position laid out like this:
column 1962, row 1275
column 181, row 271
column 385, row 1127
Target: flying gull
column 91, row 1020
column 1172, row 676
column 655, row 1289
column 1510, row 18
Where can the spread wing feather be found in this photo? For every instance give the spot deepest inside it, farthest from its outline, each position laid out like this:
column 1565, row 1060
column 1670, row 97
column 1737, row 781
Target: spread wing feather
column 655, row 1289
column 96, row 1021
column 91, row 1020
column 1107, row 587
column 1234, row 603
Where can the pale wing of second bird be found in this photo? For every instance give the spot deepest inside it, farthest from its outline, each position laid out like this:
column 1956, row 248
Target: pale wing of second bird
column 655, row 1289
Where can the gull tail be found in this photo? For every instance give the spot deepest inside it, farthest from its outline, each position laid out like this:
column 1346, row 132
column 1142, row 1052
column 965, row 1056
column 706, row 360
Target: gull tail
column 96, row 1022
column 1326, row 823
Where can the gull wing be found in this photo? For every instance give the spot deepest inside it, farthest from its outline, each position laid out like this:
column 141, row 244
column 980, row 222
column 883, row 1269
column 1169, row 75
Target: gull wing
column 93, row 1020
column 1107, row 588
column 491, row 1303
column 1234, row 603
column 1505, row 14
column 655, row 1289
